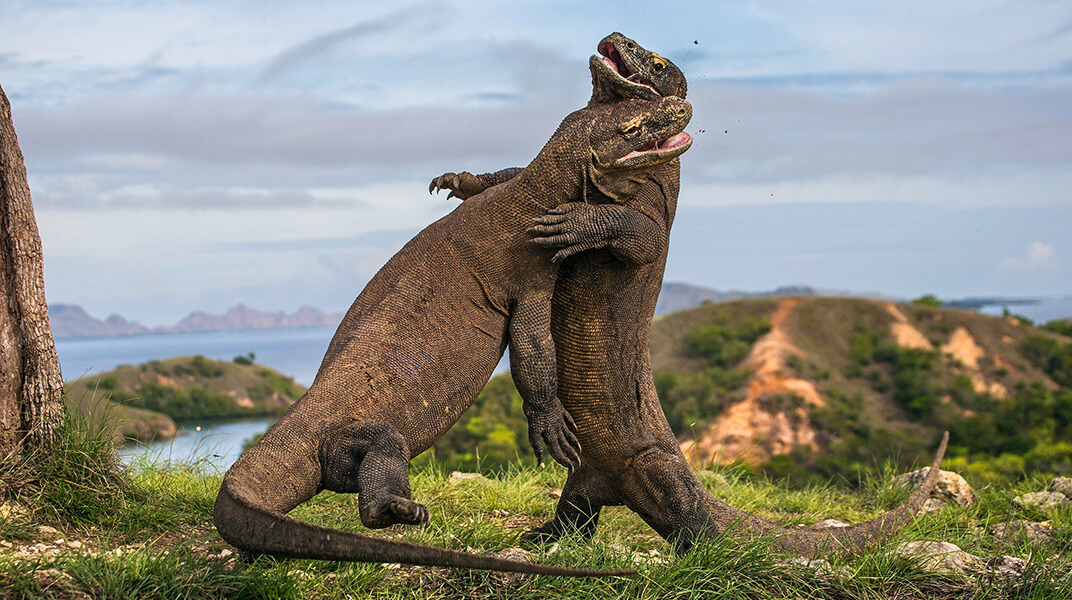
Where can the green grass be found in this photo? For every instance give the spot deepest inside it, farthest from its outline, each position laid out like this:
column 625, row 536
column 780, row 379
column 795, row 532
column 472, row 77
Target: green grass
column 146, row 532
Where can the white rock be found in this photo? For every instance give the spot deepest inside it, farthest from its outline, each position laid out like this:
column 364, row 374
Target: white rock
column 1014, row 529
column 47, row 532
column 1042, row 500
column 516, row 554
column 1062, row 485
column 950, row 486
column 931, row 505
column 940, row 557
column 1006, row 567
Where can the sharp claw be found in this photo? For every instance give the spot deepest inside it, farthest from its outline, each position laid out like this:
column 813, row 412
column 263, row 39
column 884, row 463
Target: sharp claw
column 451, row 195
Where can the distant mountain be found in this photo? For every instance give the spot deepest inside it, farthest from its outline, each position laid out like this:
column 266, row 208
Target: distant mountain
column 242, row 317
column 72, row 321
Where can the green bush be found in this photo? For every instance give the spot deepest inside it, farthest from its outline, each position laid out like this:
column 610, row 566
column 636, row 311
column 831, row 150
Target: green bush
column 1053, row 357
column 1061, row 326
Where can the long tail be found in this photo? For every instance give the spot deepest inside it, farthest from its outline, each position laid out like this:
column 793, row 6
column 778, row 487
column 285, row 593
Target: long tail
column 244, row 524
column 811, row 542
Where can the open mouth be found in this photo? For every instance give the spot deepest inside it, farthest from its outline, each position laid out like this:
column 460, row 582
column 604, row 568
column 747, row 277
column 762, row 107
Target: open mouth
column 613, row 59
column 673, row 144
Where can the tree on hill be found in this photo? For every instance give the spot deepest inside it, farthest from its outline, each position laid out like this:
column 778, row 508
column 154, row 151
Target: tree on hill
column 30, row 385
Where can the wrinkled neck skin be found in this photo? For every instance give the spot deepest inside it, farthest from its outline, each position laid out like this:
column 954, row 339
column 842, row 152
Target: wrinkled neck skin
column 560, row 172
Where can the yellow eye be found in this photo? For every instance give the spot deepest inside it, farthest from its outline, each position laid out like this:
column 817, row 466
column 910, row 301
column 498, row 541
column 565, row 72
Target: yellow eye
column 660, row 62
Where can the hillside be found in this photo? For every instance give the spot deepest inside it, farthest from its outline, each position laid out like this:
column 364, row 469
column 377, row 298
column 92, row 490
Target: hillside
column 143, row 402
column 826, row 385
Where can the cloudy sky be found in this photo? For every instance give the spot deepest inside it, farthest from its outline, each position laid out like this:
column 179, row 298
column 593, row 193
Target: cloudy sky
column 194, row 154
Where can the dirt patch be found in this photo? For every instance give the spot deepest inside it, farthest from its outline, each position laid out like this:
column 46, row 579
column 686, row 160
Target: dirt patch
column 749, row 430
column 244, row 401
column 903, row 332
column 962, row 347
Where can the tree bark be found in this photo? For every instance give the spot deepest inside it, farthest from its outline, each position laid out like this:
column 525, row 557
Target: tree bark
column 31, row 390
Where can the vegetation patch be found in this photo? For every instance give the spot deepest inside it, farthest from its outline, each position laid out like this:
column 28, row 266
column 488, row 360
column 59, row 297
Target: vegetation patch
column 143, row 402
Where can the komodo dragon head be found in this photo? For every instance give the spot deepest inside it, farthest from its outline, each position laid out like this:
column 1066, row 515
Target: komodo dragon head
column 624, row 69
column 629, row 140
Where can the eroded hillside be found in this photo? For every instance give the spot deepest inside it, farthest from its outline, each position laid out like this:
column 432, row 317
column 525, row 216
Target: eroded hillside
column 859, row 380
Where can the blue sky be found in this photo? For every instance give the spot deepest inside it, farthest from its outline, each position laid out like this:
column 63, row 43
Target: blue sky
column 192, row 155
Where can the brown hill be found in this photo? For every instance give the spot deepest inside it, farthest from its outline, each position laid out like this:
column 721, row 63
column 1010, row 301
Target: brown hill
column 755, row 380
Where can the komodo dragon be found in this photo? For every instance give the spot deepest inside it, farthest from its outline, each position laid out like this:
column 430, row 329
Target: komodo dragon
column 422, row 339
column 601, row 319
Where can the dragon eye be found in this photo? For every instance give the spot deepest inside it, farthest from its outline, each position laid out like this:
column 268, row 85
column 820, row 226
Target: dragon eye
column 629, row 129
column 660, row 62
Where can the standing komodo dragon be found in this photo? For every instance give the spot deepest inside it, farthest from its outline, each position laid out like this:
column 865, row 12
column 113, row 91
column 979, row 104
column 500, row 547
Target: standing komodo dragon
column 422, row 339
column 601, row 319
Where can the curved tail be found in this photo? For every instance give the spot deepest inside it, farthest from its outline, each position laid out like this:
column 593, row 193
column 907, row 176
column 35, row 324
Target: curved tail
column 810, row 542
column 245, row 525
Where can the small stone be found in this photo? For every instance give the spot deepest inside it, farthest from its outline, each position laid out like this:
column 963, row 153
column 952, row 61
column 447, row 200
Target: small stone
column 830, row 524
column 457, row 476
column 940, row 557
column 1062, row 485
column 6, row 544
column 49, row 533
column 515, row 554
column 1015, row 529
column 74, row 544
column 1008, row 567
column 1042, row 500
column 950, row 486
column 931, row 505
column 555, row 494
column 648, row 557
column 10, row 510
column 819, row 565
column 225, row 553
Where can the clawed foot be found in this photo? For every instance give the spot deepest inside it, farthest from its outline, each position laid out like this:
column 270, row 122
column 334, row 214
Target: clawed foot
column 556, row 427
column 573, row 227
column 398, row 510
column 462, row 185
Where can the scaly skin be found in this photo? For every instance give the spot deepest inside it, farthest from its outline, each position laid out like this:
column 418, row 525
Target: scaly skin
column 601, row 319
column 422, row 339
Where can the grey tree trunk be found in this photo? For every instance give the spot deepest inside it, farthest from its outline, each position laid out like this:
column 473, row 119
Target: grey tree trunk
column 31, row 390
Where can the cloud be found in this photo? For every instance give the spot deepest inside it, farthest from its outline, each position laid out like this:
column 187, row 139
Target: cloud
column 147, row 197
column 1039, row 257
column 927, row 126
column 327, row 43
